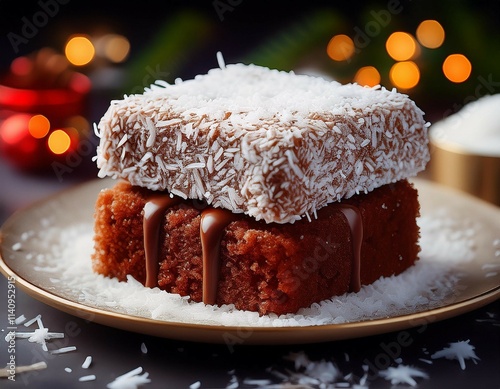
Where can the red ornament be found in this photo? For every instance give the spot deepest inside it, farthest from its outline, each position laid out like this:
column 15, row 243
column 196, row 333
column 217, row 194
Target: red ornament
column 25, row 94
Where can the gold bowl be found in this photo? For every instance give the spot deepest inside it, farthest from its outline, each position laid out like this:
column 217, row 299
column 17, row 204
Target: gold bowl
column 465, row 149
column 456, row 167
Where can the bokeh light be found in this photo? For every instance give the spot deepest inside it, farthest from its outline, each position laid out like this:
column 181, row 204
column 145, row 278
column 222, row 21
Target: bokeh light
column 13, row 128
column 21, row 66
column 79, row 50
column 430, row 34
column 404, row 75
column 401, row 46
column 367, row 76
column 116, row 48
column 340, row 48
column 38, row 126
column 457, row 68
column 59, row 142
column 58, row 63
column 80, row 123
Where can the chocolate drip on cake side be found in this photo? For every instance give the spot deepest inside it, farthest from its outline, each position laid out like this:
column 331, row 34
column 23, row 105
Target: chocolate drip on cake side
column 154, row 212
column 355, row 221
column 212, row 224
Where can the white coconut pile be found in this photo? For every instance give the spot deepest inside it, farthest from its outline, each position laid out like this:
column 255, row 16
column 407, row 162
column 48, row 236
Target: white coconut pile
column 446, row 242
column 474, row 129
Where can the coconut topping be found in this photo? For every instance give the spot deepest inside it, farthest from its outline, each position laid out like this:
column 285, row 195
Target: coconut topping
column 274, row 145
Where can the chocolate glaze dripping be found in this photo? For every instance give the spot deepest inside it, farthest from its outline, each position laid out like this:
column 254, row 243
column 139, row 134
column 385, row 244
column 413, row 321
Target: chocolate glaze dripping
column 154, row 212
column 353, row 216
column 212, row 224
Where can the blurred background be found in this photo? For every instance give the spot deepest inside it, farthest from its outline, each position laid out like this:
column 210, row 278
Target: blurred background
column 62, row 61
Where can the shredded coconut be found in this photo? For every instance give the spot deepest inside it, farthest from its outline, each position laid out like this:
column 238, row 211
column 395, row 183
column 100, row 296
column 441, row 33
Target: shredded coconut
column 460, row 351
column 474, row 128
column 86, row 364
column 40, row 335
column 239, row 126
column 131, row 380
column 86, row 378
column 64, row 350
column 446, row 242
column 403, row 374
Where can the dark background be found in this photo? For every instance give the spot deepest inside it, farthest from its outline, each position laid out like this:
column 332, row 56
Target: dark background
column 180, row 38
column 280, row 34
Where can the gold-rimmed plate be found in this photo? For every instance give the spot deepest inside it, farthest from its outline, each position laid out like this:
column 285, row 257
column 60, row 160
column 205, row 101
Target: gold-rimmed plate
column 479, row 275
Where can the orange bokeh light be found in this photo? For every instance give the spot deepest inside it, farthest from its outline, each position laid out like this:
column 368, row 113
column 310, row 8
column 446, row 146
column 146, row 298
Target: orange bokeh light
column 457, row 68
column 79, row 50
column 430, row 34
column 405, row 75
column 340, row 48
column 59, row 142
column 38, row 126
column 401, row 46
column 367, row 76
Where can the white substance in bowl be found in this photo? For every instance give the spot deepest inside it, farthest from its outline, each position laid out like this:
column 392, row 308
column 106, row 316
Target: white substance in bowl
column 474, row 129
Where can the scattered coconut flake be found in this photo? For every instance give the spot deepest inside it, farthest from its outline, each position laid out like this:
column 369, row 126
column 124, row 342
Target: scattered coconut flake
column 20, row 320
column 63, row 350
column 460, row 351
column 195, row 385
column 16, row 246
column 40, row 336
column 130, row 380
column 30, row 322
column 233, row 383
column 220, row 60
column 87, row 378
column 403, row 374
column 487, row 266
column 6, row 372
column 68, row 369
column 309, row 372
column 87, row 362
column 144, row 349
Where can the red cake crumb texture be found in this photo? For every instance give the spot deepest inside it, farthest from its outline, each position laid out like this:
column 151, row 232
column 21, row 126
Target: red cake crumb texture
column 277, row 268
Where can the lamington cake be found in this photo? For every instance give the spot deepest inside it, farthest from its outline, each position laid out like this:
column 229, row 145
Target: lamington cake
column 259, row 188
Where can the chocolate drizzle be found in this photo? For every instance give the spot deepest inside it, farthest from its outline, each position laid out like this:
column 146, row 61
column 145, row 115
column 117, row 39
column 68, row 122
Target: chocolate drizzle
column 212, row 224
column 353, row 216
column 154, row 212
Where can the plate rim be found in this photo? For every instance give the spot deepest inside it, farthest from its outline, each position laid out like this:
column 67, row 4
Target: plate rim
column 250, row 335
column 259, row 335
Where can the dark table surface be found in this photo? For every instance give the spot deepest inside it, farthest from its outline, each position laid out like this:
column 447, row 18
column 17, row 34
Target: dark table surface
column 182, row 364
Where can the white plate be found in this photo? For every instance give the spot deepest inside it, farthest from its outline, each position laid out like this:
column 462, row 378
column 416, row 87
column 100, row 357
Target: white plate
column 479, row 276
